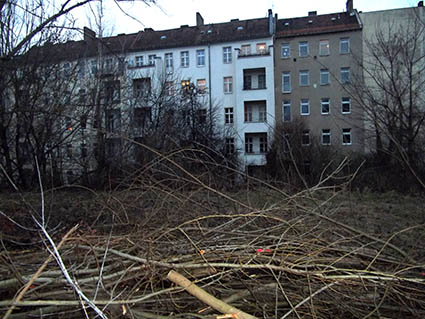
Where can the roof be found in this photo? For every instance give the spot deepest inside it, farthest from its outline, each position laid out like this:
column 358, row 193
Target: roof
column 317, row 24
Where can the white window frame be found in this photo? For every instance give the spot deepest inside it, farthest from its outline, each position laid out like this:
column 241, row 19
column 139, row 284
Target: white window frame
column 245, row 49
column 286, row 75
column 151, row 59
column 228, row 115
column 169, row 60
column 139, row 60
column 248, row 114
column 304, row 102
column 304, row 78
column 301, row 46
column 263, row 144
column 344, row 45
column 200, row 58
column 184, row 59
column 305, row 133
column 230, row 145
column 227, row 55
column 325, row 73
column 345, row 75
column 346, row 132
column 323, row 103
column 285, row 52
column 228, row 85
column 262, row 113
column 345, row 101
column 286, row 104
column 326, row 133
column 324, row 48
column 249, row 144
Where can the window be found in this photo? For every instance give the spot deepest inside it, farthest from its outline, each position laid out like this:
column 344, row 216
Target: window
column 113, row 120
column 112, row 92
column 169, row 60
column 324, row 77
column 109, row 65
column 324, row 47
column 83, row 122
column 66, row 69
column 304, row 78
column 139, row 61
column 200, row 57
column 142, row 116
column 249, row 144
column 262, row 114
column 169, row 88
column 248, row 113
column 69, row 150
column 202, row 116
column 184, row 59
column 230, row 145
column 201, row 84
column 346, row 105
column 93, row 66
column 346, row 136
column 344, row 45
column 325, row 106
column 305, row 107
column 303, row 49
column 245, row 49
column 247, row 82
column 345, row 75
column 228, row 84
column 228, row 115
column 151, row 59
column 227, row 55
column 185, row 87
column 286, row 82
column 305, row 138
column 82, row 96
column 286, row 51
column 263, row 143
column 83, row 150
column 286, row 111
column 261, row 81
column 261, row 48
column 326, row 137
column 141, row 87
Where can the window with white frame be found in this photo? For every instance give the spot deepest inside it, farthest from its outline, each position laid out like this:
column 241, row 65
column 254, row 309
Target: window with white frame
column 169, row 88
column 326, row 137
column 324, row 77
column 184, row 59
column 248, row 113
column 304, row 78
column 324, row 47
column 346, row 136
column 245, row 49
column 346, row 105
column 263, row 143
column 249, row 144
column 228, row 115
column 139, row 60
column 228, row 84
column 286, row 111
column 303, row 48
column 200, row 57
column 151, row 59
column 325, row 106
column 305, row 138
column 230, row 145
column 344, row 45
column 261, row 81
column 169, row 60
column 286, row 51
column 345, row 75
column 262, row 114
column 227, row 55
column 304, row 107
column 286, row 82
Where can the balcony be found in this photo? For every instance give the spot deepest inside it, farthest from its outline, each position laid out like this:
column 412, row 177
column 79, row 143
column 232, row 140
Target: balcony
column 254, row 79
column 255, row 112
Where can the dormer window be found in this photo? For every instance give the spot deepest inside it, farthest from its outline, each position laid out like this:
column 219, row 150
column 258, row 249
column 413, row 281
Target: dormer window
column 240, row 28
column 163, row 37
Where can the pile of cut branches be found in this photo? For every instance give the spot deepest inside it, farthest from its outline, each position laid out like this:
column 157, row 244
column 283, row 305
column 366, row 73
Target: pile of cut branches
column 259, row 263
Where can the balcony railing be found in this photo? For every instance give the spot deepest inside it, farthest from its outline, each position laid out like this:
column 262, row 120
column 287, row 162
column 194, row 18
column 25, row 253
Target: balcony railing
column 253, row 54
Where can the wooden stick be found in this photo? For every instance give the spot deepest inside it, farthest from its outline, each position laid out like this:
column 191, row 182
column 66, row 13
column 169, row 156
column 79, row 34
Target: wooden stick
column 204, row 296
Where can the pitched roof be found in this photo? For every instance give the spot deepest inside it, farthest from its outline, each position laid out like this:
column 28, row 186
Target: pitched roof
column 317, row 24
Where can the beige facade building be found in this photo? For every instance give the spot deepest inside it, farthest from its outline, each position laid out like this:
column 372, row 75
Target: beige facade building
column 315, row 60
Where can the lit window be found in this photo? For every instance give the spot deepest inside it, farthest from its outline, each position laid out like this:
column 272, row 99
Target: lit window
column 185, row 87
column 346, row 105
column 305, row 138
column 305, row 107
column 227, row 55
column 261, row 48
column 200, row 57
column 228, row 84
column 286, row 111
column 303, row 49
column 286, row 50
column 346, row 136
column 184, row 59
column 304, row 78
column 286, row 82
column 324, row 47
column 201, row 84
column 325, row 106
column 326, row 137
column 344, row 45
column 345, row 75
column 324, row 77
column 228, row 115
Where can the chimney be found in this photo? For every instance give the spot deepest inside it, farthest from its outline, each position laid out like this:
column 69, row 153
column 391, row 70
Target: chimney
column 349, row 6
column 420, row 4
column 199, row 19
column 312, row 13
column 271, row 22
column 89, row 34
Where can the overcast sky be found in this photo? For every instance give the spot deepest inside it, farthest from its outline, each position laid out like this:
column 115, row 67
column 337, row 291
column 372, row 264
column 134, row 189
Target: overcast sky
column 170, row 14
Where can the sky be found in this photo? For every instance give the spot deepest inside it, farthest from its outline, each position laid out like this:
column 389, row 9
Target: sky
column 170, row 14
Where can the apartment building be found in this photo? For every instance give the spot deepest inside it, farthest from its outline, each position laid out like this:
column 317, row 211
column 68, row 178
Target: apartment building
column 316, row 57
